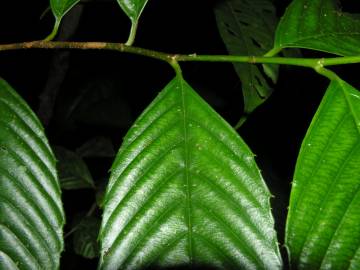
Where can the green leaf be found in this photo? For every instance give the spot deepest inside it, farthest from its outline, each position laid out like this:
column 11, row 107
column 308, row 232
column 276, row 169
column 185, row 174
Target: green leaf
column 323, row 226
column 247, row 27
column 185, row 190
column 73, row 171
column 96, row 147
column 319, row 25
column 85, row 238
column 133, row 9
column 31, row 214
column 59, row 8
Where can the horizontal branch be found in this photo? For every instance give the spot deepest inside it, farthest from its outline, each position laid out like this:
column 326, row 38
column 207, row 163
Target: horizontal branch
column 314, row 63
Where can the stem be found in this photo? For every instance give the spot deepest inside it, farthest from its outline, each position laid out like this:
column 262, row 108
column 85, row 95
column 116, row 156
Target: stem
column 132, row 34
column 172, row 59
column 54, row 31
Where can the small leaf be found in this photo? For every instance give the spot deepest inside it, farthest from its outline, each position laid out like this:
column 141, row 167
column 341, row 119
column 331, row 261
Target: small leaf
column 59, row 8
column 96, row 147
column 133, row 9
column 323, row 226
column 319, row 25
column 85, row 238
column 31, row 214
column 185, row 190
column 73, row 171
column 247, row 27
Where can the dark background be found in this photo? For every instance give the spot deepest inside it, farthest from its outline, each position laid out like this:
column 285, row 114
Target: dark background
column 274, row 131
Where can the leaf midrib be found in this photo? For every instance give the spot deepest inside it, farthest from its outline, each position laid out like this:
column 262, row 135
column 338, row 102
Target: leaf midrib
column 187, row 174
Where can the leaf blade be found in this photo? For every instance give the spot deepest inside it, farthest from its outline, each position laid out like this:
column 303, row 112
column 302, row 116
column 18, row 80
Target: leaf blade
column 248, row 28
column 159, row 191
column 132, row 8
column 60, row 7
column 322, row 223
column 73, row 171
column 319, row 25
column 31, row 214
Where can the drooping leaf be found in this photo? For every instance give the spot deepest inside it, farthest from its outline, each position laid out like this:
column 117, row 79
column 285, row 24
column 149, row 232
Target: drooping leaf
column 85, row 237
column 73, row 171
column 185, row 190
column 247, row 27
column 96, row 147
column 319, row 25
column 31, row 214
column 133, row 9
column 323, row 226
column 59, row 8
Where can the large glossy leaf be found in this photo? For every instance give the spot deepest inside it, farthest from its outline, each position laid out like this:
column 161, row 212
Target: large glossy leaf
column 323, row 226
column 247, row 27
column 319, row 25
column 31, row 215
column 185, row 190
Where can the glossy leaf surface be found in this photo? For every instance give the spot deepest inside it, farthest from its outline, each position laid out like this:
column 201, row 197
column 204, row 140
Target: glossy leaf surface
column 323, row 226
column 319, row 25
column 247, row 27
column 31, row 215
column 73, row 171
column 185, row 190
column 132, row 8
column 61, row 7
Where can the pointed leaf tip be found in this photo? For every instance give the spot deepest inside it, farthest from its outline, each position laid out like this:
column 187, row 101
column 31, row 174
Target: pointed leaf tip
column 185, row 190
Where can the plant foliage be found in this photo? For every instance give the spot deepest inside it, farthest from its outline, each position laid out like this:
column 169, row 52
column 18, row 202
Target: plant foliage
column 31, row 215
column 184, row 189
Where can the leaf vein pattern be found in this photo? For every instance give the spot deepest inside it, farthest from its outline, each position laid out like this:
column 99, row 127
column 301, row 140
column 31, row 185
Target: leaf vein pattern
column 29, row 198
column 36, row 161
column 318, row 163
column 225, row 195
column 150, row 196
column 217, row 250
column 163, row 216
column 136, row 157
column 44, row 245
column 228, row 229
column 28, row 129
column 50, row 201
column 4, row 227
column 140, row 178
